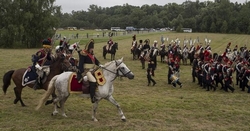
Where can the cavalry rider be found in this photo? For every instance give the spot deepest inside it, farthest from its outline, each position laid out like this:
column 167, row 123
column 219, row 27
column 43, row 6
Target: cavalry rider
column 155, row 45
column 73, row 61
column 110, row 42
column 41, row 61
column 63, row 44
column 134, row 44
column 87, row 63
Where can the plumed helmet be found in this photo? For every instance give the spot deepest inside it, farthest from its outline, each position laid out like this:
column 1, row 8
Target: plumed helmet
column 89, row 45
column 134, row 37
column 111, row 34
column 46, row 43
column 147, row 41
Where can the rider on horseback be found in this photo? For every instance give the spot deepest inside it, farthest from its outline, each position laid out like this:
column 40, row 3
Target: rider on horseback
column 110, row 42
column 41, row 61
column 87, row 63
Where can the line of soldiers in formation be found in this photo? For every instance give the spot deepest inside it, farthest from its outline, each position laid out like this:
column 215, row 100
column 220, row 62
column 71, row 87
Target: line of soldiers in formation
column 210, row 70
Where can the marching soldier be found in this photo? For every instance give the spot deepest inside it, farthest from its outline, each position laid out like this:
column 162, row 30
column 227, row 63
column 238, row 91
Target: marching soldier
column 209, row 75
column 219, row 73
column 228, row 71
column 133, row 45
column 145, row 49
column 150, row 72
column 194, row 67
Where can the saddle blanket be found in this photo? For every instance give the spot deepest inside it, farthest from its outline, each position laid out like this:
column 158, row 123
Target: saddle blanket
column 75, row 87
column 29, row 77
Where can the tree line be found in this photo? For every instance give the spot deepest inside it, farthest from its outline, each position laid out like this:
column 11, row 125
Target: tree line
column 24, row 23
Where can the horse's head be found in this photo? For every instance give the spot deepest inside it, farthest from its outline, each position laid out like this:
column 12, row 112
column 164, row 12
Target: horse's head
column 116, row 45
column 123, row 70
column 61, row 62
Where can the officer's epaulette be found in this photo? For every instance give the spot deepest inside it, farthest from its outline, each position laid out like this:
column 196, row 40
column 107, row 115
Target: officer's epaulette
column 84, row 53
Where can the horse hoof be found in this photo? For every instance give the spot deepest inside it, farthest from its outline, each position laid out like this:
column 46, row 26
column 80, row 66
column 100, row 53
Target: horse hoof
column 48, row 102
column 94, row 119
column 124, row 120
column 15, row 101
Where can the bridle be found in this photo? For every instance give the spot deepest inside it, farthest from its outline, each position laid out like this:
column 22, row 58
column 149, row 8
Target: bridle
column 118, row 68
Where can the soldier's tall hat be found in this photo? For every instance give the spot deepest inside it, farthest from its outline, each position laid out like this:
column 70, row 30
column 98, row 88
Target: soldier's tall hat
column 111, row 34
column 89, row 45
column 46, row 43
column 134, row 37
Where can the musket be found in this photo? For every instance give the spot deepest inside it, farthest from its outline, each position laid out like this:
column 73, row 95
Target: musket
column 53, row 39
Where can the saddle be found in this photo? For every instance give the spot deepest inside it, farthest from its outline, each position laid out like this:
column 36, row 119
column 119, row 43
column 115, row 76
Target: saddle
column 30, row 75
column 83, row 86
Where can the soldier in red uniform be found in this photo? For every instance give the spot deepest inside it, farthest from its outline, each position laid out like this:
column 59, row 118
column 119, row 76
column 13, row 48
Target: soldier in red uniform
column 42, row 58
column 110, row 42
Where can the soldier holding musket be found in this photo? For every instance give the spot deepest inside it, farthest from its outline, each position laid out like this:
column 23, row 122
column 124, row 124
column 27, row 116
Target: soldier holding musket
column 228, row 71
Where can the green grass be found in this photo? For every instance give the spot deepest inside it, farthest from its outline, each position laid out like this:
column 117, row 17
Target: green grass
column 161, row 107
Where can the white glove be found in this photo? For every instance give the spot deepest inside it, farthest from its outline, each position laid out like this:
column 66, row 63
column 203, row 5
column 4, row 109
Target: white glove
column 85, row 78
column 101, row 65
column 38, row 67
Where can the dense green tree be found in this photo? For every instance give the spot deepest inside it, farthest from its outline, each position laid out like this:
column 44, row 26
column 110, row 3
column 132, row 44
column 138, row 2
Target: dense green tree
column 26, row 22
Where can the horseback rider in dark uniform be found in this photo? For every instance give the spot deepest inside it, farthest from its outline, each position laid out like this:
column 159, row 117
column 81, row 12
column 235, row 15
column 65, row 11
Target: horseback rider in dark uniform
column 41, row 61
column 87, row 63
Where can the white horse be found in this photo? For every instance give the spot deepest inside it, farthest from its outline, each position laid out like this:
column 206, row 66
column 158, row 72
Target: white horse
column 111, row 70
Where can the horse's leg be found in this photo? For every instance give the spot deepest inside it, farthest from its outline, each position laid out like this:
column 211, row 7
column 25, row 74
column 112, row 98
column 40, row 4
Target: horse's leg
column 112, row 100
column 94, row 109
column 55, row 106
column 112, row 57
column 18, row 92
column 62, row 102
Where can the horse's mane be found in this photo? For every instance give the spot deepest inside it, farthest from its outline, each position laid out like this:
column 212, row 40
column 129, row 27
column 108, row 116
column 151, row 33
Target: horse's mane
column 108, row 63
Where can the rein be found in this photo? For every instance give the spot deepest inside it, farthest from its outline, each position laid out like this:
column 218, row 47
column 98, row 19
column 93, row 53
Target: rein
column 117, row 71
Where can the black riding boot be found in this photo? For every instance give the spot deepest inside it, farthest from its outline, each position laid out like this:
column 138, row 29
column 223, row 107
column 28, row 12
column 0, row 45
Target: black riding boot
column 79, row 77
column 92, row 87
column 37, row 85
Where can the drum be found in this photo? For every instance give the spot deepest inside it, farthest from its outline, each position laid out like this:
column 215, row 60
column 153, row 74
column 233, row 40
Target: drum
column 174, row 78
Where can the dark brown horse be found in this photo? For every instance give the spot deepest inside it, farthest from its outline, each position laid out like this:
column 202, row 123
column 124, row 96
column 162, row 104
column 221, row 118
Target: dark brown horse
column 59, row 65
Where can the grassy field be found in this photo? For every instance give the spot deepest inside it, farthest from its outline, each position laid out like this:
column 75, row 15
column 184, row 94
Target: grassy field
column 159, row 107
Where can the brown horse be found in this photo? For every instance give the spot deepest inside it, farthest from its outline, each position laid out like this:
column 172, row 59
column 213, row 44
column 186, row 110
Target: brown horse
column 59, row 65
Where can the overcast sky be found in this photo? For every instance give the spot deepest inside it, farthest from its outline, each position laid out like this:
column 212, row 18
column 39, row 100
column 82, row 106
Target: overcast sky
column 77, row 5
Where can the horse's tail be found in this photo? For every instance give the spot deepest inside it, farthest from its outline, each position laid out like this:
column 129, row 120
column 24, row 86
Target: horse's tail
column 7, row 80
column 49, row 91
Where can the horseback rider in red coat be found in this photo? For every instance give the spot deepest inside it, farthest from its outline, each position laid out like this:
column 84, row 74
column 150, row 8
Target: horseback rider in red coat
column 41, row 59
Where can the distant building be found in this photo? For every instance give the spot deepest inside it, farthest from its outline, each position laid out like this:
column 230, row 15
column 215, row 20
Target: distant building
column 189, row 30
column 115, row 28
column 72, row 28
column 130, row 28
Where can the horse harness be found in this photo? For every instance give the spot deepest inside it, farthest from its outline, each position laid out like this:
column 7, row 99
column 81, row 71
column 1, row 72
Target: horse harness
column 117, row 70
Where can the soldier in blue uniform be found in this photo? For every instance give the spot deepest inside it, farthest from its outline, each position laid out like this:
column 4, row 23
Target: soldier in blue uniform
column 87, row 63
column 42, row 58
